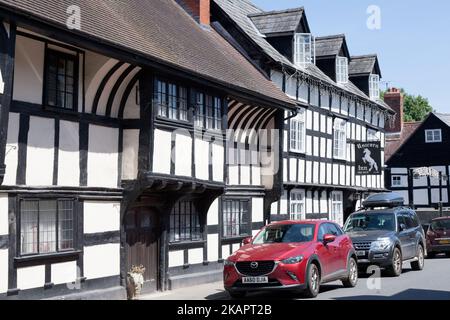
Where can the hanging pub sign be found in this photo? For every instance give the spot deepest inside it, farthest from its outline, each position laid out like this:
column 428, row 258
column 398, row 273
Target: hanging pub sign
column 368, row 158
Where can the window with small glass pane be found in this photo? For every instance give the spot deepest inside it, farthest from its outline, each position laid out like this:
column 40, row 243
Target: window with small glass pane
column 208, row 112
column 374, row 86
column 433, row 136
column 340, row 139
column 236, row 219
column 336, row 206
column 304, row 52
column 171, row 100
column 185, row 223
column 46, row 226
column 61, row 80
column 297, row 134
column 297, row 205
column 342, row 70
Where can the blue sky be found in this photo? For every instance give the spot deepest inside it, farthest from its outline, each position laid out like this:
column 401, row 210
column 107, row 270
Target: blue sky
column 413, row 44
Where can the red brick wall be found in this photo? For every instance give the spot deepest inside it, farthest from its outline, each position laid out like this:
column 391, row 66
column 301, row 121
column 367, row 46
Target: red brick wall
column 394, row 99
column 199, row 9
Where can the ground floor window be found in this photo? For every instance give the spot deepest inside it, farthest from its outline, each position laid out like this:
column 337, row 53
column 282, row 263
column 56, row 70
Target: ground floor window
column 236, row 218
column 185, row 223
column 297, row 205
column 46, row 226
column 337, row 207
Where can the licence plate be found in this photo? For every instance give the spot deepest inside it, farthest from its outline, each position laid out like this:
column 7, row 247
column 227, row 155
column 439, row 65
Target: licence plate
column 444, row 242
column 255, row 280
column 360, row 253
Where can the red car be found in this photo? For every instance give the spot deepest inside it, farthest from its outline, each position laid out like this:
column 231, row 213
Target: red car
column 438, row 237
column 292, row 255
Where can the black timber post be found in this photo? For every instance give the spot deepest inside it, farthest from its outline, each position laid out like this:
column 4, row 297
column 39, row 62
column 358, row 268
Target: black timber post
column 7, row 55
column 145, row 163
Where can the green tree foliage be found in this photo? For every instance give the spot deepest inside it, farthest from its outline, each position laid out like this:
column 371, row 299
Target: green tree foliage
column 416, row 108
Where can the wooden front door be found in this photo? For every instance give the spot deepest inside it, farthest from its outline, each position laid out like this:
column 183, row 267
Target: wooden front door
column 143, row 232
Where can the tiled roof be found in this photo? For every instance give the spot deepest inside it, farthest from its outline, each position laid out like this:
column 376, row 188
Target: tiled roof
column 277, row 21
column 445, row 117
column 394, row 142
column 329, row 46
column 160, row 31
column 362, row 64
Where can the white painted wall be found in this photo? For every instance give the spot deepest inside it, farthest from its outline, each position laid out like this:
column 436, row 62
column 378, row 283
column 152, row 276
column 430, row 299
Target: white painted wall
column 30, row 277
column 69, row 154
column 4, row 207
column 421, row 197
column 162, row 152
column 28, row 70
column 65, row 272
column 12, row 146
column 226, row 251
column 176, row 258
column 202, row 162
column 183, row 155
column 130, row 154
column 101, row 216
column 40, row 152
column 257, row 209
column 218, row 155
column 213, row 247
column 213, row 213
column 103, row 156
column 102, row 261
column 4, row 270
column 195, row 256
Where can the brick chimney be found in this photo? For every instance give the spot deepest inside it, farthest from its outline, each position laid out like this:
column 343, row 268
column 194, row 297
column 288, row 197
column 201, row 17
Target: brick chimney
column 200, row 10
column 394, row 98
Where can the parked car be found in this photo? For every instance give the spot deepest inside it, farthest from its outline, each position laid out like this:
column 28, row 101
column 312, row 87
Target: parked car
column 438, row 237
column 387, row 234
column 292, row 255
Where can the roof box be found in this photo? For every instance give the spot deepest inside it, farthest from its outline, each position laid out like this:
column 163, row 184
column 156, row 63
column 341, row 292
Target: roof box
column 390, row 200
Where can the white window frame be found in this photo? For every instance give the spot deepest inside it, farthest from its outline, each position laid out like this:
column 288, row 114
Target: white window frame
column 342, row 69
column 337, row 207
column 297, row 210
column 435, row 138
column 340, row 139
column 304, row 49
column 374, row 86
column 396, row 182
column 297, row 132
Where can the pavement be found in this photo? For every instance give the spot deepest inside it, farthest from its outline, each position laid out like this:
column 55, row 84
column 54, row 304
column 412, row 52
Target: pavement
column 432, row 283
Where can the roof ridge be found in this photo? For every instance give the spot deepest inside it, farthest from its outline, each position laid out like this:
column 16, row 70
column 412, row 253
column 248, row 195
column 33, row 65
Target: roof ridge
column 371, row 55
column 340, row 35
column 273, row 12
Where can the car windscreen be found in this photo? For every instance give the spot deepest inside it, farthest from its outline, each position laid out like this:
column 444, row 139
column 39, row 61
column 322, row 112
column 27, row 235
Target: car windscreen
column 286, row 233
column 441, row 224
column 372, row 221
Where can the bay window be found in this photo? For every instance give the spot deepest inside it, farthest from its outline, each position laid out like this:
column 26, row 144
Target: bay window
column 340, row 139
column 304, row 49
column 208, row 111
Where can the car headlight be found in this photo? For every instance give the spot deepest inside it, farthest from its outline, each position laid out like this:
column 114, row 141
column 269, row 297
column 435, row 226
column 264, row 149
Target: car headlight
column 381, row 244
column 228, row 263
column 292, row 260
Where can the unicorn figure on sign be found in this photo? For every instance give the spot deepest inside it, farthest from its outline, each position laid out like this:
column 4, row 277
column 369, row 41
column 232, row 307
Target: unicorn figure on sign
column 368, row 159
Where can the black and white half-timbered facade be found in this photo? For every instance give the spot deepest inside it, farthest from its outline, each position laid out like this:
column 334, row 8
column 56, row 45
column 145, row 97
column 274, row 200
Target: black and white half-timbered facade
column 419, row 169
column 338, row 110
column 114, row 150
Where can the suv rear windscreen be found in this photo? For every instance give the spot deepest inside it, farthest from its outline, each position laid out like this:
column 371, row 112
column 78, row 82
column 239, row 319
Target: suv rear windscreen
column 441, row 224
column 372, row 221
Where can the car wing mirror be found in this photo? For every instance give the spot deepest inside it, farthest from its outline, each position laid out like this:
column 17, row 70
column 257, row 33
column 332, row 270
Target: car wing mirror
column 328, row 238
column 247, row 240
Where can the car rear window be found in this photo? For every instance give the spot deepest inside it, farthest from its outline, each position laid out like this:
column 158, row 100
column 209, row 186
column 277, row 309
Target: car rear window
column 441, row 224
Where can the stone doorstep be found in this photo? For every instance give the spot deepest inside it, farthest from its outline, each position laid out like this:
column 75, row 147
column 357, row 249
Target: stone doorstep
column 193, row 279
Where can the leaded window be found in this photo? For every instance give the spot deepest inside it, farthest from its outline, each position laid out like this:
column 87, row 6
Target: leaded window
column 185, row 223
column 171, row 100
column 236, row 219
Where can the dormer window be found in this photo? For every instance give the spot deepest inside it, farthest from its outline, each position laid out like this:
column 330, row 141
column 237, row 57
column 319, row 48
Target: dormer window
column 342, row 70
column 433, row 136
column 374, row 86
column 304, row 49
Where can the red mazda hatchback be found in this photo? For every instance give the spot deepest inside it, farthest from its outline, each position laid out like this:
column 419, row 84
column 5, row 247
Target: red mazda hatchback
column 292, row 255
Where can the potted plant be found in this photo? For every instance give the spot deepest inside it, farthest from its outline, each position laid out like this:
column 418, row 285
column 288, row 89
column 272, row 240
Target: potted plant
column 135, row 281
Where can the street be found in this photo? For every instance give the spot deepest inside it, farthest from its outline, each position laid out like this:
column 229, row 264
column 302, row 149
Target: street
column 433, row 283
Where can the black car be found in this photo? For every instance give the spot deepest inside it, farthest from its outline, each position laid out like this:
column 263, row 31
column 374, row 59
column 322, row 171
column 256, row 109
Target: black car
column 386, row 234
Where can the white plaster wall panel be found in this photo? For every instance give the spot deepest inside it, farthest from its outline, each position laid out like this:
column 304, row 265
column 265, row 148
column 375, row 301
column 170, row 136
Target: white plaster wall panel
column 68, row 154
column 383, row 139
column 309, row 202
column 364, row 133
column 162, row 155
column 213, row 213
column 183, row 155
column 293, row 169
column 308, row 171
column 329, row 148
column 225, row 251
column 316, row 148
column 284, row 204
column 235, row 247
column 213, row 247
column 103, row 156
column 353, row 153
column 421, row 197
column 103, row 101
column 323, row 169
column 335, row 174
column 301, row 168
column 358, row 181
column 245, row 175
column 323, row 123
column 309, row 119
column 195, row 256
column 349, row 152
column 348, row 176
column 233, row 175
column 28, row 70
column 353, row 176
column 353, row 136
column 274, row 207
column 4, row 212
column 316, row 172
column 364, row 181
column 40, row 152
column 285, row 141
column 435, row 181
column 382, row 159
column 323, row 202
column 316, row 121
column 435, row 195
column 404, row 194
column 4, row 270
column 303, row 92
column 101, row 216
column 257, row 209
column 12, row 146
column 102, row 261
column 202, row 160
column 316, row 202
column 358, row 132
column 285, row 169
column 323, row 147
column 130, row 154
column 256, row 176
column 329, row 125
column 132, row 109
column 31, row 277
column 309, row 145
column 342, row 174
column 65, row 272
column 291, row 87
column 403, row 182
column 277, row 78
column 399, row 171
column 420, row 182
column 176, row 258
column 218, row 155
column 329, row 174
